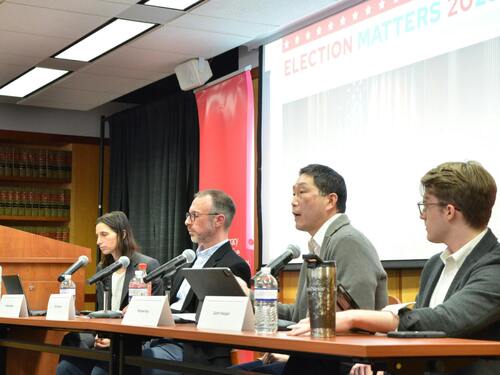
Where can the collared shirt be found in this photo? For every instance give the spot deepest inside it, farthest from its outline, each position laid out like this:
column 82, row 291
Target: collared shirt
column 452, row 263
column 202, row 256
column 317, row 240
column 117, row 280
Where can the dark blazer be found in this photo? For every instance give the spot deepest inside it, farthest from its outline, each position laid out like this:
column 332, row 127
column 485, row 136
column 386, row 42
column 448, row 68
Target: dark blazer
column 209, row 353
column 471, row 308
column 156, row 290
column 223, row 257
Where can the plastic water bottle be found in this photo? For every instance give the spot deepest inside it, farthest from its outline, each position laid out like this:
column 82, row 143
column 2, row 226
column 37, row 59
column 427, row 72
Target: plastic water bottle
column 137, row 286
column 266, row 303
column 143, row 267
column 67, row 286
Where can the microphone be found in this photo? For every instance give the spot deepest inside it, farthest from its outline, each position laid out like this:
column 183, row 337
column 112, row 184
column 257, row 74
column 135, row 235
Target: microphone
column 123, row 261
column 291, row 252
column 187, row 256
column 81, row 262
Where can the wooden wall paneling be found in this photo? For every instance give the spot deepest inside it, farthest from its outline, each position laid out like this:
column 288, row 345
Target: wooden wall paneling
column 410, row 281
column 84, row 201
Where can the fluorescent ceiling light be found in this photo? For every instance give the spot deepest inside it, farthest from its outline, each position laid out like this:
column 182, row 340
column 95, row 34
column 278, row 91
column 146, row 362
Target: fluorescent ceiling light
column 172, row 4
column 104, row 39
column 31, row 81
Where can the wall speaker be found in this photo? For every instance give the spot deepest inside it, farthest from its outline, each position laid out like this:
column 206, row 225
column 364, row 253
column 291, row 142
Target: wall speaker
column 193, row 73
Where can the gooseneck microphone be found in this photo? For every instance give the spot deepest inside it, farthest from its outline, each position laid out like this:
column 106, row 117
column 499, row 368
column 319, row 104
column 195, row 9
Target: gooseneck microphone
column 123, row 261
column 276, row 265
column 187, row 256
column 81, row 262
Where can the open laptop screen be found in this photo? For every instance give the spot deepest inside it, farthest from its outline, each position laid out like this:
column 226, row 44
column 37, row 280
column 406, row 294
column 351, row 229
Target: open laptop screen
column 13, row 285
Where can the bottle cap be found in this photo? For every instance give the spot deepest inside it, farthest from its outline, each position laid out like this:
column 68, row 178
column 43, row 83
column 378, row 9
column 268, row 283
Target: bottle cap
column 143, row 266
column 67, row 277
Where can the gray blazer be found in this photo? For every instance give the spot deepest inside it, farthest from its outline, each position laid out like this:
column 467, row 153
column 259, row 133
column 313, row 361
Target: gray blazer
column 471, row 308
column 358, row 269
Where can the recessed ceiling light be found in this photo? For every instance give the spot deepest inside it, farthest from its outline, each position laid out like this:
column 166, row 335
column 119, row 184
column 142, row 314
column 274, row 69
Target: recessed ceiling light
column 172, row 4
column 104, row 39
column 31, row 81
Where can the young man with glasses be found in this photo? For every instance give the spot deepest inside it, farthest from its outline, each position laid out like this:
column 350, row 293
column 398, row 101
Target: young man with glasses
column 207, row 222
column 459, row 288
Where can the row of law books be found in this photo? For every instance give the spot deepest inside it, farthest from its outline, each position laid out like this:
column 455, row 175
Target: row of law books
column 34, row 201
column 40, row 163
column 60, row 233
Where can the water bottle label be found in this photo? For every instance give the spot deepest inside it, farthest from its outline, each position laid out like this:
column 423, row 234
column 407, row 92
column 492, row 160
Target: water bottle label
column 71, row 291
column 265, row 294
column 137, row 292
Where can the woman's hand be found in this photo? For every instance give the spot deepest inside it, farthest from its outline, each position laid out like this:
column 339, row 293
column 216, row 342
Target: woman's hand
column 101, row 343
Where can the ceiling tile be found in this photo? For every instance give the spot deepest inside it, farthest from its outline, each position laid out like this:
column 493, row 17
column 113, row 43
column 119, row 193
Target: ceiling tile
column 41, row 21
column 24, row 44
column 277, row 12
column 220, row 25
column 10, row 71
column 93, row 7
column 58, row 97
column 101, row 69
column 150, row 14
column 143, row 59
column 14, row 59
column 90, row 82
column 192, row 43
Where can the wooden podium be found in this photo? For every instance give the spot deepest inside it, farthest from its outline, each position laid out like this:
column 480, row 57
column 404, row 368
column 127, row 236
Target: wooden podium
column 39, row 261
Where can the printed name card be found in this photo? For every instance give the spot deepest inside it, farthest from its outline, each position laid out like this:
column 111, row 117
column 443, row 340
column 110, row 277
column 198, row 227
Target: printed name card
column 61, row 307
column 149, row 311
column 227, row 313
column 13, row 306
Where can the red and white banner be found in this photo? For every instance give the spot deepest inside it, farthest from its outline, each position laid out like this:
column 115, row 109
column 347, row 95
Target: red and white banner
column 226, row 116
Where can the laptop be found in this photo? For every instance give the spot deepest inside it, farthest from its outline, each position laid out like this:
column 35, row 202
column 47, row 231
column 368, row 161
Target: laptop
column 13, row 285
column 216, row 281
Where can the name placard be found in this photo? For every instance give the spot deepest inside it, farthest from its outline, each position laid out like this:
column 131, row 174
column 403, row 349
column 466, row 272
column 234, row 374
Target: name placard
column 149, row 311
column 227, row 313
column 61, row 307
column 13, row 306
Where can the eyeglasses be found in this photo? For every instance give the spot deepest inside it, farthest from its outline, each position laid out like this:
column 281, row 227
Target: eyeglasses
column 422, row 206
column 193, row 215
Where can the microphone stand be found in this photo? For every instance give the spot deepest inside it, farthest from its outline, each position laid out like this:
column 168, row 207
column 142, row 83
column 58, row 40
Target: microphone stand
column 105, row 313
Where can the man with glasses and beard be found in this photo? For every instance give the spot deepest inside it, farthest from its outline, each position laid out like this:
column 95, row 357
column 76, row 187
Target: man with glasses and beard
column 207, row 222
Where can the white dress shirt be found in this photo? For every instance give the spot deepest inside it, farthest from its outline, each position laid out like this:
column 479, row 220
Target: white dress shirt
column 202, row 256
column 317, row 240
column 117, row 280
column 452, row 263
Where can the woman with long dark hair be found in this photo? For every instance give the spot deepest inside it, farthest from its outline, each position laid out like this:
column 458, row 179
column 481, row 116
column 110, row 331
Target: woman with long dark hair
column 115, row 239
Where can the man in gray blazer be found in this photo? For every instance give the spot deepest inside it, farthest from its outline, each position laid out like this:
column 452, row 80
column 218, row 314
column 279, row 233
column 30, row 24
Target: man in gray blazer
column 459, row 288
column 318, row 205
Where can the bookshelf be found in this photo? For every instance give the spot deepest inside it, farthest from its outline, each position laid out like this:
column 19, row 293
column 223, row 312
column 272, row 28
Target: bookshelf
column 35, row 189
column 83, row 185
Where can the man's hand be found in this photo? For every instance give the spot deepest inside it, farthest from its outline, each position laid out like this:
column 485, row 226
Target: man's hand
column 302, row 328
column 268, row 358
column 361, row 369
column 243, row 285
